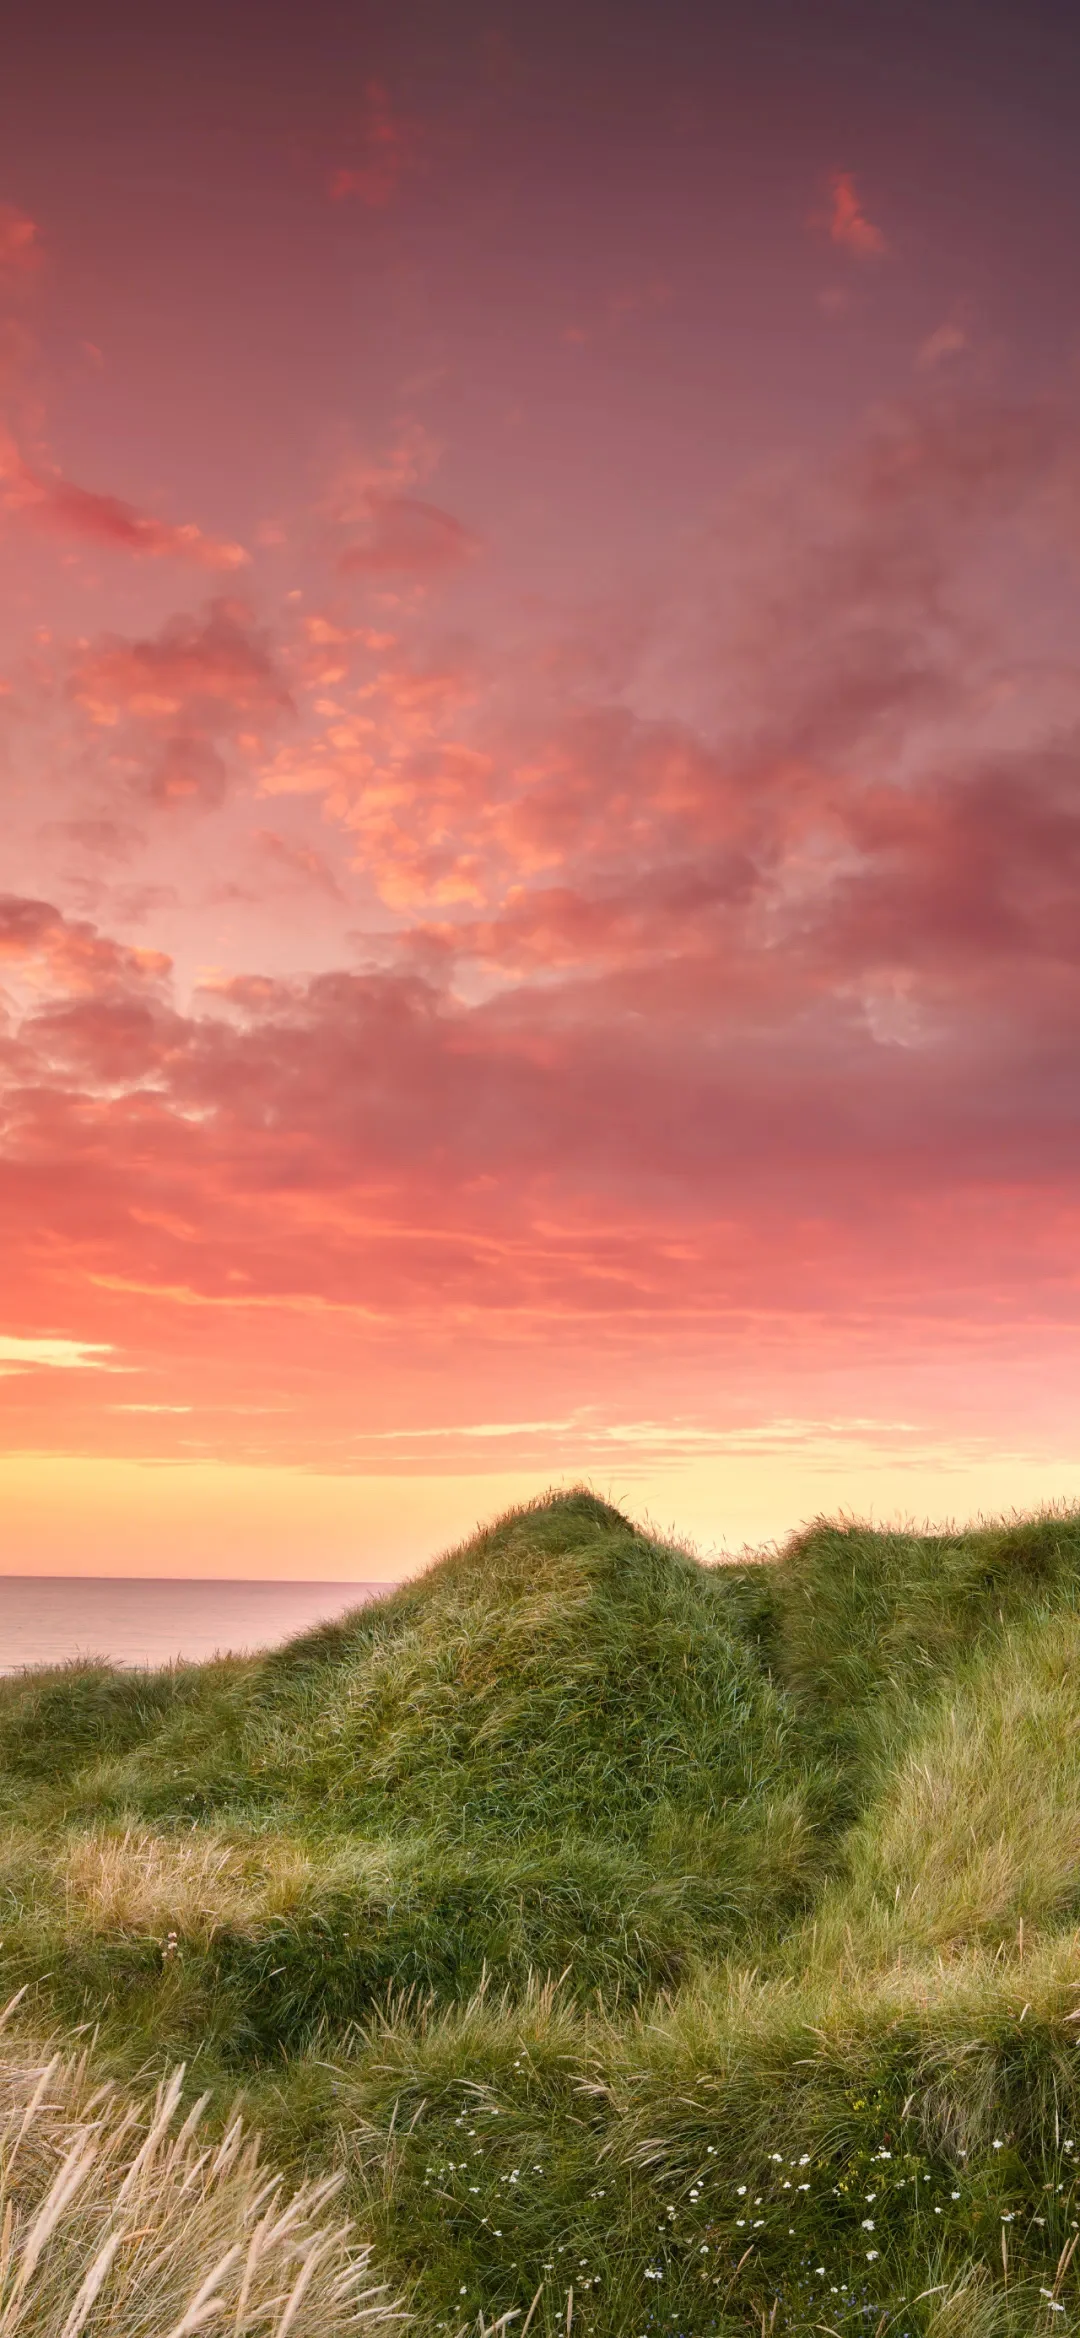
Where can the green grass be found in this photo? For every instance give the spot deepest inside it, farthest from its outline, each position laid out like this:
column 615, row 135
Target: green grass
column 616, row 1924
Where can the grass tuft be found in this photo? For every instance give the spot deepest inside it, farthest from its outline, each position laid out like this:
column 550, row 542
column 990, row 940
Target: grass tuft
column 125, row 2218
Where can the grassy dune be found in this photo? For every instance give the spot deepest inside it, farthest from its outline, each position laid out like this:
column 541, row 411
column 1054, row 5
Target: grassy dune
column 651, row 1948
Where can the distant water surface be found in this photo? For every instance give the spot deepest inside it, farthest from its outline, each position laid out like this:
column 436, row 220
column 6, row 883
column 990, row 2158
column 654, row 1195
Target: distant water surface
column 48, row 1619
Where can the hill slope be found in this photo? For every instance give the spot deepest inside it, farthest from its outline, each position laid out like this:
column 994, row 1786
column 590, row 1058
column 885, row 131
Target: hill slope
column 558, row 1748
column 830, row 1806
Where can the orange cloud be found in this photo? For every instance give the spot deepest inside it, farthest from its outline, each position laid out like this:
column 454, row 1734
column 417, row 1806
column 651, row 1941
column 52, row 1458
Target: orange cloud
column 848, row 224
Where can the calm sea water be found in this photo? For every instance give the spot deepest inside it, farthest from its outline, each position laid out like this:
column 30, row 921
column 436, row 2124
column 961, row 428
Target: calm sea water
column 46, row 1619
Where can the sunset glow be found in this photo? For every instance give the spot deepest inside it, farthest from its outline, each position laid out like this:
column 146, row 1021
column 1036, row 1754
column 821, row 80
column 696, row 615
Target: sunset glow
column 539, row 701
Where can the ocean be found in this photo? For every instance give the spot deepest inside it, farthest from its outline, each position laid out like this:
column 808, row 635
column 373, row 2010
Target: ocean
column 48, row 1619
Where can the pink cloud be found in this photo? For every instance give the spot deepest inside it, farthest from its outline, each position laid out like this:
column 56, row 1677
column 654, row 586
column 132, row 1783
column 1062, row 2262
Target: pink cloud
column 102, row 838
column 412, row 456
column 20, row 243
column 216, row 664
column 70, row 956
column 946, row 341
column 849, row 646
column 848, row 224
column 404, row 536
column 37, row 489
column 302, row 864
column 57, row 504
column 366, row 1143
column 388, row 150
column 678, row 1027
column 629, row 305
column 170, row 704
column 187, row 769
column 392, row 533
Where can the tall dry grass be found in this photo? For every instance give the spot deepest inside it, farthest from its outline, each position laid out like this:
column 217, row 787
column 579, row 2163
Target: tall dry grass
column 122, row 2217
column 131, row 1880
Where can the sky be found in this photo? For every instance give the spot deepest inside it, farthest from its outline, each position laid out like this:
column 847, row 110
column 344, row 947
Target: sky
column 540, row 761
